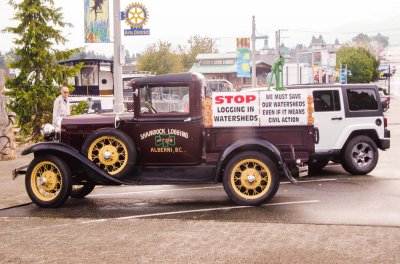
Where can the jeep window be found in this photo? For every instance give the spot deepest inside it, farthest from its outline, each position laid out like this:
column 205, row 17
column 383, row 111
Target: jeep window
column 362, row 99
column 164, row 99
column 326, row 100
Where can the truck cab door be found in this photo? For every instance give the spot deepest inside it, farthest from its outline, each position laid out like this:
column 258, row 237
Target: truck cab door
column 167, row 133
column 329, row 116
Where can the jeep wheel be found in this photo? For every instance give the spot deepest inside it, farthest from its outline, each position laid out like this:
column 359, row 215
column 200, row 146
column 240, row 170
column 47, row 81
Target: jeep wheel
column 81, row 190
column 360, row 155
column 48, row 181
column 251, row 178
column 111, row 150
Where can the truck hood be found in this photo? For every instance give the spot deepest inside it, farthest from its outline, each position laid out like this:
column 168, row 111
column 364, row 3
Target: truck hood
column 94, row 119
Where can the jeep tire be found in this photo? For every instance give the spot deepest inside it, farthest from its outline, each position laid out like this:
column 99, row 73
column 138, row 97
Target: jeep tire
column 360, row 155
column 316, row 165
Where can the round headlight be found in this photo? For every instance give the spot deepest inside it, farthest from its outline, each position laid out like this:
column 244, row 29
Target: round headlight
column 48, row 130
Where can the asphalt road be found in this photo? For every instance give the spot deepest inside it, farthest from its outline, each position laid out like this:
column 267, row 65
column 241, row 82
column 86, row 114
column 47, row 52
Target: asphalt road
column 331, row 217
column 332, row 197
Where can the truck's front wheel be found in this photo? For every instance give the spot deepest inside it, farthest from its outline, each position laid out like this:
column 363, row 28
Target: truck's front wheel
column 48, row 181
column 251, row 178
column 360, row 155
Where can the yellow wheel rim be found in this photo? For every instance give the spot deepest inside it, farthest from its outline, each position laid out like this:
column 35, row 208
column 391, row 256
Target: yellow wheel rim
column 46, row 181
column 251, row 179
column 109, row 153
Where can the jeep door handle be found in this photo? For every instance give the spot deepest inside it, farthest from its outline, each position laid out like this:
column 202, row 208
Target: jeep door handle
column 337, row 118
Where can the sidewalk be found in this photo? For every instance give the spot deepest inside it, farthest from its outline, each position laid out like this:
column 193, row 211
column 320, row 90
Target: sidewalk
column 13, row 193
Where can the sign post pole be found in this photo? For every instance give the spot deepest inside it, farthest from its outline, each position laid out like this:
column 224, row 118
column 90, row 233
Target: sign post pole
column 118, row 95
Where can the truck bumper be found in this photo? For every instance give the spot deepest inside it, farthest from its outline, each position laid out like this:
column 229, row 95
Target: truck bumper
column 18, row 171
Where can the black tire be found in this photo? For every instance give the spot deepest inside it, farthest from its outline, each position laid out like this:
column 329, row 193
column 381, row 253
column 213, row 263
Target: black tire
column 48, row 181
column 111, row 150
column 360, row 155
column 81, row 190
column 316, row 165
column 260, row 188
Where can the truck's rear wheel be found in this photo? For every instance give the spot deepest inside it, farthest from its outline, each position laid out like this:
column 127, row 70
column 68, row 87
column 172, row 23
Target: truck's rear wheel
column 360, row 155
column 111, row 150
column 251, row 178
column 48, row 181
column 81, row 190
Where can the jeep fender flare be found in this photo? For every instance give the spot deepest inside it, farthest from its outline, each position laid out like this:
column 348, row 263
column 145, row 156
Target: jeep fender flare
column 359, row 129
column 62, row 150
column 255, row 144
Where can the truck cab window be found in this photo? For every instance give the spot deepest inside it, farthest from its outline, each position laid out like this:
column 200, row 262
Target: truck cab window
column 164, row 99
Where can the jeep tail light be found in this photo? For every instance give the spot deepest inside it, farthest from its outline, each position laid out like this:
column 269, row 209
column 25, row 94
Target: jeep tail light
column 385, row 123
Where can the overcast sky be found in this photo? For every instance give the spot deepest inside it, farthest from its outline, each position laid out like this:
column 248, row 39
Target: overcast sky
column 224, row 20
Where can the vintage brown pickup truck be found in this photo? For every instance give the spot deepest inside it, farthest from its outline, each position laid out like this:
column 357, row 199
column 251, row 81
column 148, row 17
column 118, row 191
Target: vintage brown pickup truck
column 177, row 133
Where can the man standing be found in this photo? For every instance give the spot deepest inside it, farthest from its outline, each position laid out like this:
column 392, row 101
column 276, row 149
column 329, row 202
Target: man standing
column 61, row 106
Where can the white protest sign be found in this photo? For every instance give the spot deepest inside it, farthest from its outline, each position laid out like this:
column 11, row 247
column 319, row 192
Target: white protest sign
column 280, row 108
column 231, row 109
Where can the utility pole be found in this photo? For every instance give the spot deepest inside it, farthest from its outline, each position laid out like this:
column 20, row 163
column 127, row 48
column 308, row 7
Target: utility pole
column 277, row 44
column 278, row 51
column 118, row 95
column 253, row 54
column 389, row 81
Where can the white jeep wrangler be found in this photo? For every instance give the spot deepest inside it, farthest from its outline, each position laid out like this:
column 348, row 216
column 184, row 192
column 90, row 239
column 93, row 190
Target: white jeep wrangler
column 351, row 126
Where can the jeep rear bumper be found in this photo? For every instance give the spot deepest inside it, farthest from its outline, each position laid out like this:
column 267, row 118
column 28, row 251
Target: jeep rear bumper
column 385, row 143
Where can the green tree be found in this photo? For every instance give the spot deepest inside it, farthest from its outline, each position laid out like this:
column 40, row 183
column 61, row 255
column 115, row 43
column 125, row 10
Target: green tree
column 198, row 44
column 33, row 90
column 376, row 44
column 361, row 62
column 160, row 58
column 2, row 60
column 79, row 108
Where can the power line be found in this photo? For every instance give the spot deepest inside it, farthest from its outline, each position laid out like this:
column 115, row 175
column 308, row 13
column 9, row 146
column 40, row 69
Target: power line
column 345, row 32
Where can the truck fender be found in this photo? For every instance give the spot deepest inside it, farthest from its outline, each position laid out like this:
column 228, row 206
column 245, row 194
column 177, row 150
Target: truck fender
column 61, row 149
column 257, row 144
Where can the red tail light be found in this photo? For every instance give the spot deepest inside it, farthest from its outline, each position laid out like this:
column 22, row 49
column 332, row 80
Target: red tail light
column 385, row 122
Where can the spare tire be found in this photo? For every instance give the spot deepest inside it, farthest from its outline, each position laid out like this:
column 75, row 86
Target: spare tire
column 111, row 150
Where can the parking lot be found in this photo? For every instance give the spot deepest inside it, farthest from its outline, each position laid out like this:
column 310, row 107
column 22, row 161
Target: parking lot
column 328, row 217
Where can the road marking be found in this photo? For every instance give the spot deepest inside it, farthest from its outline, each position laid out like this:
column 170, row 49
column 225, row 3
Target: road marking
column 194, row 188
column 150, row 215
column 153, row 191
column 210, row 209
column 307, row 181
